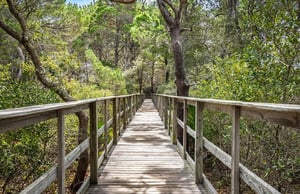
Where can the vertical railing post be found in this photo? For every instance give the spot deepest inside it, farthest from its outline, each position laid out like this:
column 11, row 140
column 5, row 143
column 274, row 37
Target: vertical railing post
column 158, row 105
column 134, row 104
column 124, row 113
column 184, row 128
column 174, row 128
column 199, row 142
column 119, row 109
column 105, row 127
column 115, row 122
column 235, row 152
column 166, row 112
column 161, row 107
column 61, row 152
column 170, row 116
column 130, row 108
column 93, row 143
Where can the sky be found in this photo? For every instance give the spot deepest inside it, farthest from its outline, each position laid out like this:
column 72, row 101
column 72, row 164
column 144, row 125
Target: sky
column 80, row 2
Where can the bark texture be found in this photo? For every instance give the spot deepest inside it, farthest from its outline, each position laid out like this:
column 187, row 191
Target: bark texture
column 173, row 22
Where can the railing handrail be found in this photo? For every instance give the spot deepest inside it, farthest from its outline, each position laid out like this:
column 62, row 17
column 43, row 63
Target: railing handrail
column 260, row 105
column 12, row 119
column 28, row 110
column 23, row 112
column 283, row 114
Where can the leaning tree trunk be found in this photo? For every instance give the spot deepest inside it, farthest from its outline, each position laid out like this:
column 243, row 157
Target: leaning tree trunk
column 23, row 38
column 181, row 82
column 173, row 22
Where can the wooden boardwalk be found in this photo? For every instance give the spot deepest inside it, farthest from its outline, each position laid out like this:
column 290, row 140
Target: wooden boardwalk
column 145, row 161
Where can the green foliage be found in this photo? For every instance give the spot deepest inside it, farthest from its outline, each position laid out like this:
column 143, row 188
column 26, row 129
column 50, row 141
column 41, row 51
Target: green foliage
column 23, row 154
column 168, row 88
column 106, row 78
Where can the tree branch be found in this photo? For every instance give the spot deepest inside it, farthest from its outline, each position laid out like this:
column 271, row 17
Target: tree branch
column 182, row 6
column 19, row 17
column 171, row 5
column 10, row 31
column 165, row 13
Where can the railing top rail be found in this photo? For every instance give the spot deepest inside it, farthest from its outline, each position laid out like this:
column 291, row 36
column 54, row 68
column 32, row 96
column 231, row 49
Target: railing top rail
column 30, row 110
column 257, row 105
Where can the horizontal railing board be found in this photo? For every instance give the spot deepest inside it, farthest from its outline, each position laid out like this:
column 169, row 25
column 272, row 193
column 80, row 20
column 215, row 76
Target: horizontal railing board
column 189, row 130
column 255, row 182
column 11, row 119
column 284, row 114
column 23, row 111
column 42, row 182
column 208, row 186
column 20, row 122
column 85, row 185
column 265, row 106
column 217, row 152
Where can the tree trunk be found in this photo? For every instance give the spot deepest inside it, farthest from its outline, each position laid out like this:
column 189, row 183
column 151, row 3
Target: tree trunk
column 181, row 82
column 167, row 75
column 117, row 41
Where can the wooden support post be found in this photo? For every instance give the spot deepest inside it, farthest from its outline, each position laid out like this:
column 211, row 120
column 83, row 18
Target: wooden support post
column 235, row 153
column 166, row 112
column 162, row 108
column 61, row 152
column 199, row 143
column 158, row 105
column 105, row 127
column 115, row 122
column 174, row 128
column 124, row 113
column 119, row 109
column 184, row 128
column 134, row 104
column 130, row 108
column 170, row 116
column 93, row 143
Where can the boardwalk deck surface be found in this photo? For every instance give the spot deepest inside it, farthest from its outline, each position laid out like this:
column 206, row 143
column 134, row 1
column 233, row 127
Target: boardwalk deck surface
column 145, row 161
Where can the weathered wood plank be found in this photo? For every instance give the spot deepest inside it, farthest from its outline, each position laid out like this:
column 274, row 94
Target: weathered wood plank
column 93, row 143
column 235, row 151
column 199, row 142
column 61, row 152
column 24, row 121
column 185, row 116
column 115, row 122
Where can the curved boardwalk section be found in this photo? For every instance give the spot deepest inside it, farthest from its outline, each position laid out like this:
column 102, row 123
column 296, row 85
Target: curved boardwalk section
column 145, row 161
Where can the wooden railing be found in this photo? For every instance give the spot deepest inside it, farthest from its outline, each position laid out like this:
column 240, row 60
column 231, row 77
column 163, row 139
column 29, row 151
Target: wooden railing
column 282, row 114
column 124, row 107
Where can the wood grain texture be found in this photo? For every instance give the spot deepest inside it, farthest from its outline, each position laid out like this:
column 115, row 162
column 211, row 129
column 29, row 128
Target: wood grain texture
column 93, row 143
column 145, row 161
